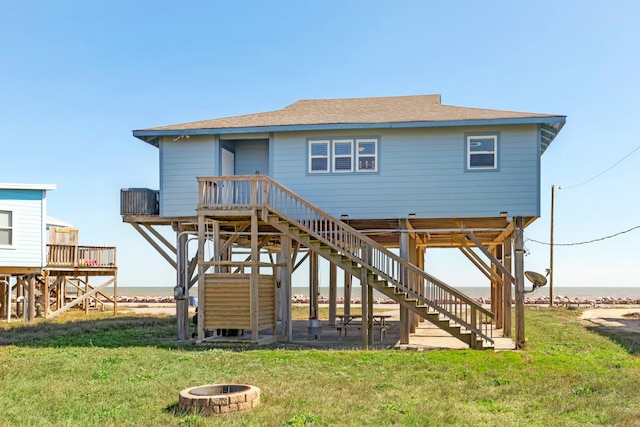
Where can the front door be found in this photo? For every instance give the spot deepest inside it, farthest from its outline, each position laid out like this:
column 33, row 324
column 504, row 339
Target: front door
column 228, row 163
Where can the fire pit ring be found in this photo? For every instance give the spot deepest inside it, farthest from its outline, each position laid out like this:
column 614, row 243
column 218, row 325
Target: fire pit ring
column 212, row 399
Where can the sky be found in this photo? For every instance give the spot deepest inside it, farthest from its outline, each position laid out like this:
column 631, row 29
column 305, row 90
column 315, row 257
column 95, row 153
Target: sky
column 77, row 77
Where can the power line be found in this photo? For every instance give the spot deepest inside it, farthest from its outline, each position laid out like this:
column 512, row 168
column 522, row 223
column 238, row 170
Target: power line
column 588, row 241
column 606, row 170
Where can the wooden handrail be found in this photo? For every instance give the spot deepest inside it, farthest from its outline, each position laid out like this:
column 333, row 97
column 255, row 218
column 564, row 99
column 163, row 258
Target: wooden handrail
column 262, row 192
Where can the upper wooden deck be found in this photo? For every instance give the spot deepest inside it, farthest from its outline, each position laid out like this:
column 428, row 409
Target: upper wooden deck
column 93, row 259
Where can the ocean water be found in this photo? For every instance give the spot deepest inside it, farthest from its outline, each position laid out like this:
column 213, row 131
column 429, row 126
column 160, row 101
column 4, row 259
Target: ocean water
column 588, row 292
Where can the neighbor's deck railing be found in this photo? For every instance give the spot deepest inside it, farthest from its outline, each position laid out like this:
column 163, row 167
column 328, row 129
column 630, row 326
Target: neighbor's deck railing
column 260, row 191
column 81, row 256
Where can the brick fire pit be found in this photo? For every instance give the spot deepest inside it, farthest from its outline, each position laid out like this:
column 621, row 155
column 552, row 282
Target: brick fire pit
column 215, row 399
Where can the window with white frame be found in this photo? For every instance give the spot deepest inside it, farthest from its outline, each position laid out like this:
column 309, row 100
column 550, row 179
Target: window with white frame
column 318, row 156
column 344, row 155
column 366, row 155
column 6, row 228
column 482, row 152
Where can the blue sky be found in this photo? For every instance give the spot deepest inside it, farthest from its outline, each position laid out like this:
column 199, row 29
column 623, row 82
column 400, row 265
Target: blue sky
column 77, row 77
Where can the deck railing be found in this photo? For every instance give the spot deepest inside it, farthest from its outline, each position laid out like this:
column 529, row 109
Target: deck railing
column 260, row 191
column 74, row 256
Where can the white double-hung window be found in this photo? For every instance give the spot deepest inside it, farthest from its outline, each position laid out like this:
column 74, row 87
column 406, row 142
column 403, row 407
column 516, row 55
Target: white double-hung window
column 6, row 228
column 344, row 155
column 367, row 153
column 482, row 152
column 318, row 156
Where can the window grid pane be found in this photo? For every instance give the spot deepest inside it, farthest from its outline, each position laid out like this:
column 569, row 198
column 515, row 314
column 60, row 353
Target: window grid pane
column 343, row 164
column 482, row 160
column 5, row 237
column 318, row 164
column 5, row 219
column 319, row 149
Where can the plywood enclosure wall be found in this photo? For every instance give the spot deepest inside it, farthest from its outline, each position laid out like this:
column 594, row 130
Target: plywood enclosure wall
column 63, row 236
column 227, row 301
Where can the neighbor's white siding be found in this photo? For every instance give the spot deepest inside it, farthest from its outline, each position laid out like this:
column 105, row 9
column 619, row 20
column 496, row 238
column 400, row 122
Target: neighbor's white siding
column 28, row 209
column 421, row 172
column 181, row 162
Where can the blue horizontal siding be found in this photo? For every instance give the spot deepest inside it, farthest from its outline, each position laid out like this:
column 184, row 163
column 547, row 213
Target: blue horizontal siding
column 181, row 162
column 422, row 172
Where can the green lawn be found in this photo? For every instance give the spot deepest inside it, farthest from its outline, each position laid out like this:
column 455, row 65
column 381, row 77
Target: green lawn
column 128, row 371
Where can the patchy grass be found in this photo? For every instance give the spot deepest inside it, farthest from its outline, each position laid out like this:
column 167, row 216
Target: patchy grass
column 128, row 371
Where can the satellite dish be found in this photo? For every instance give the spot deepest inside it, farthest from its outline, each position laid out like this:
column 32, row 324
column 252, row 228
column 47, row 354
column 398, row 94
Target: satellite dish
column 537, row 279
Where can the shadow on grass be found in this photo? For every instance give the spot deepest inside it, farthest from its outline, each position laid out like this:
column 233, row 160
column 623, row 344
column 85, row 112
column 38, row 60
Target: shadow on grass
column 627, row 335
column 111, row 332
column 104, row 332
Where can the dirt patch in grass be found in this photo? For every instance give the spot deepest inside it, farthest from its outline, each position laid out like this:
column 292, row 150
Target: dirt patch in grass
column 621, row 325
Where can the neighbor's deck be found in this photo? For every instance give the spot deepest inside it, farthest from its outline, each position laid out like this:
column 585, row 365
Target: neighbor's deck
column 94, row 260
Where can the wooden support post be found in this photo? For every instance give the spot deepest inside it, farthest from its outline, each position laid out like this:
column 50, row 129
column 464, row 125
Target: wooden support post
column 519, row 285
column 507, row 325
column 86, row 291
column 369, row 323
column 499, row 286
column 5, row 301
column 405, row 318
column 115, row 294
column 255, row 277
column 181, row 292
column 3, row 296
column 413, row 257
column 201, row 270
column 32, row 298
column 333, row 292
column 313, row 285
column 285, row 263
column 45, row 294
column 348, row 280
column 366, row 314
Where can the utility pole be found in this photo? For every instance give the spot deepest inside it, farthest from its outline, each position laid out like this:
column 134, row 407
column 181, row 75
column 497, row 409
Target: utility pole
column 553, row 192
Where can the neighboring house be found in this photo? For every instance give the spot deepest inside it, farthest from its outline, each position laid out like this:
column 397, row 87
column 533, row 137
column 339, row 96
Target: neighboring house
column 32, row 266
column 23, row 225
column 405, row 167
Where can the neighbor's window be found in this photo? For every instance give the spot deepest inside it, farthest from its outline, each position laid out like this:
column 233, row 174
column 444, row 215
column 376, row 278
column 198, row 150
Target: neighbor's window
column 6, row 228
column 318, row 156
column 343, row 155
column 482, row 152
column 366, row 155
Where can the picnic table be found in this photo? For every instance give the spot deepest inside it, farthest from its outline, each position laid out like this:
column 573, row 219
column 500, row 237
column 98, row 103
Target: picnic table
column 346, row 319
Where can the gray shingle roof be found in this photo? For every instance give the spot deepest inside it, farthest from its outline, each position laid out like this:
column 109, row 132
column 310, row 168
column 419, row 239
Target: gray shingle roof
column 392, row 109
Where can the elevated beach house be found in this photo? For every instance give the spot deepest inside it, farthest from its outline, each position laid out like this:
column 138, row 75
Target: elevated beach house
column 369, row 184
column 43, row 270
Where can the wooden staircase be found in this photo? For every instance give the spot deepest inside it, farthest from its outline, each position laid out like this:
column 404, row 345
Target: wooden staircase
column 340, row 244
